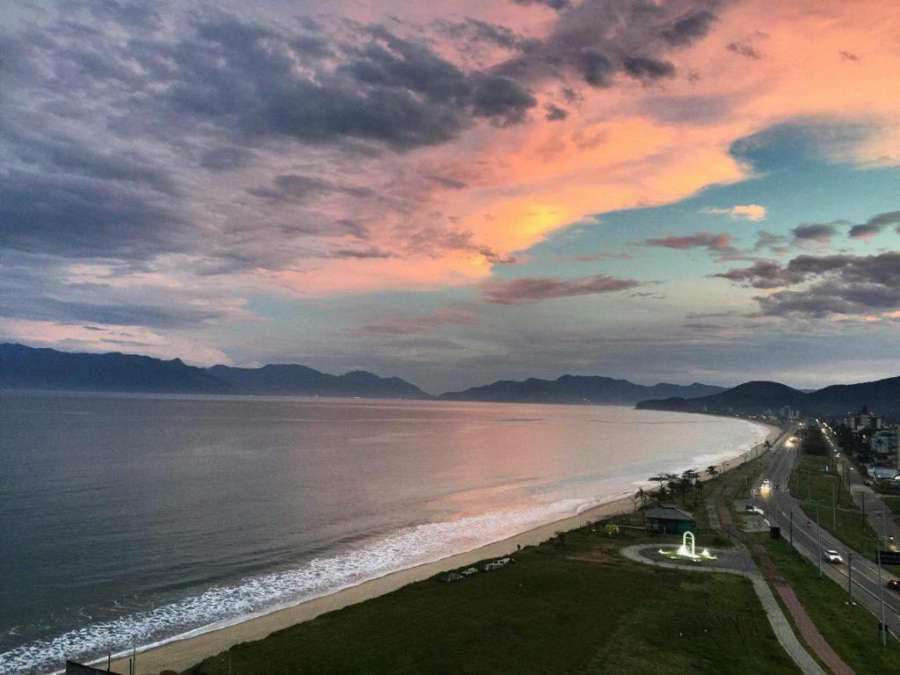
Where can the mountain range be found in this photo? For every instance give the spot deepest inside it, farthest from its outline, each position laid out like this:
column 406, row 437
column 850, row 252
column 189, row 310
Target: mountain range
column 882, row 396
column 578, row 389
column 25, row 367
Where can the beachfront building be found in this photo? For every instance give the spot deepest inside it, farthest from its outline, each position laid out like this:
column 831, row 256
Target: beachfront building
column 669, row 519
column 885, row 443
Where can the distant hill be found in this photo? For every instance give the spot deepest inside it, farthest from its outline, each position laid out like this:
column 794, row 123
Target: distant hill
column 577, row 389
column 882, row 396
column 24, row 367
column 300, row 380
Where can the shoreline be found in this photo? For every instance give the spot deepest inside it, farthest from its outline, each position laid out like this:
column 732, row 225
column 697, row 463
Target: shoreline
column 182, row 652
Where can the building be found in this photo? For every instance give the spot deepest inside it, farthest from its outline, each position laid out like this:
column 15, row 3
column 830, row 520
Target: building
column 864, row 420
column 668, row 519
column 885, row 443
column 789, row 413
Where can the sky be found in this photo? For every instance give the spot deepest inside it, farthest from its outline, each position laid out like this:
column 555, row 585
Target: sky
column 457, row 192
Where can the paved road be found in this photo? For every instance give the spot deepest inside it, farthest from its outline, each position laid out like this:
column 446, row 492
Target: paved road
column 878, row 515
column 810, row 540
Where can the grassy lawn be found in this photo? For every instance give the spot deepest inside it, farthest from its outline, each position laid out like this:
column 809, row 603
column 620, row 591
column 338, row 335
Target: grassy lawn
column 851, row 631
column 814, row 487
column 893, row 503
column 546, row 613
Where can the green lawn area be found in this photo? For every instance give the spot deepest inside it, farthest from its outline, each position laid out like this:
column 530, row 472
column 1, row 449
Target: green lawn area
column 851, row 631
column 814, row 487
column 893, row 503
column 546, row 613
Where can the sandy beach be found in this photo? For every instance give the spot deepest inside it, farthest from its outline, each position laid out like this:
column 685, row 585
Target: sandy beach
column 183, row 653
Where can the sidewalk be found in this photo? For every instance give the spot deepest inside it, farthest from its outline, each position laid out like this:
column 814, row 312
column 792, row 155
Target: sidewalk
column 811, row 635
column 780, row 625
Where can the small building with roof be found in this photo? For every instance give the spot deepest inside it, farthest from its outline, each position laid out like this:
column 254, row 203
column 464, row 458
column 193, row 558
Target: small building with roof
column 668, row 519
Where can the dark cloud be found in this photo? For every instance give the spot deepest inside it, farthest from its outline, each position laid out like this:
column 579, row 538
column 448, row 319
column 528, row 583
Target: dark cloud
column 597, row 40
column 762, row 274
column 41, row 288
column 687, row 30
column 720, row 243
column 501, row 99
column 534, row 289
column 558, row 5
column 297, row 187
column 643, row 68
column 474, row 31
column 554, row 113
column 744, row 49
column 129, row 14
column 776, row 243
column 226, row 159
column 836, row 284
column 874, row 225
column 818, row 232
column 83, row 217
column 596, row 69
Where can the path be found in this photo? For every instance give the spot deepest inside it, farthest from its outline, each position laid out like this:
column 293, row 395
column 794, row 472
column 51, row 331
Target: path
column 780, row 625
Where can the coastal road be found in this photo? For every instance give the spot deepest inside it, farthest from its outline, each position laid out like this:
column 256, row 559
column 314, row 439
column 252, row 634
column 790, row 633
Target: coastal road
column 810, row 540
column 878, row 515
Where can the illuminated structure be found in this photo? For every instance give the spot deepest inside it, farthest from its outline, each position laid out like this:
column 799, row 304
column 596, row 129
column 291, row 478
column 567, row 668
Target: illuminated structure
column 688, row 550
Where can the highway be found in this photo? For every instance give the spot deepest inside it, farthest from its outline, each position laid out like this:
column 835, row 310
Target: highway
column 810, row 540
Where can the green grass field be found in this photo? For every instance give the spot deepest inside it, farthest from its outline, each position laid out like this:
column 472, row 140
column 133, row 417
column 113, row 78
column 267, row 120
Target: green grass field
column 549, row 612
column 816, row 488
column 850, row 630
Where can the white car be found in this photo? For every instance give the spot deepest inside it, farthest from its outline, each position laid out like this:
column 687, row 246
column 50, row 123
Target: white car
column 766, row 482
column 833, row 556
column 754, row 509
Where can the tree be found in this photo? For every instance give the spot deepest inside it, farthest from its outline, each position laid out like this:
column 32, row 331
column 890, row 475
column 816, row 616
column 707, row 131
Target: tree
column 712, row 471
column 641, row 498
column 687, row 482
column 661, row 479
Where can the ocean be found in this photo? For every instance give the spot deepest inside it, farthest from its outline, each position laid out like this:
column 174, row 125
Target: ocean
column 131, row 519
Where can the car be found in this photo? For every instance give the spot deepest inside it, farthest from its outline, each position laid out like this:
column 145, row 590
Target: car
column 832, row 556
column 894, row 585
column 750, row 508
column 766, row 482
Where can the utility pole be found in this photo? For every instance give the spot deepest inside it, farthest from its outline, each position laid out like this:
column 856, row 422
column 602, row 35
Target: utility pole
column 833, row 507
column 819, row 539
column 882, row 629
column 849, row 576
column 792, row 527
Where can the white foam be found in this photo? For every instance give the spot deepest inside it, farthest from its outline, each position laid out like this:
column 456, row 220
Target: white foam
column 228, row 604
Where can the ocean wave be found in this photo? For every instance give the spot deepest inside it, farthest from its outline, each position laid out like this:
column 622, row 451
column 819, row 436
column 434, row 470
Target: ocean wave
column 228, row 604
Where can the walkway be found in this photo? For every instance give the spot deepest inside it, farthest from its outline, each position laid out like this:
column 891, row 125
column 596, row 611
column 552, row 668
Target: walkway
column 780, row 625
column 804, row 623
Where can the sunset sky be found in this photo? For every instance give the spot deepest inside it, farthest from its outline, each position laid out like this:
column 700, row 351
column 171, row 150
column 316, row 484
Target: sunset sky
column 455, row 192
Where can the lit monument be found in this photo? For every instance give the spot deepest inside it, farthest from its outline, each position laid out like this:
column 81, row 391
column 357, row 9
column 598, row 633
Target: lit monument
column 687, row 550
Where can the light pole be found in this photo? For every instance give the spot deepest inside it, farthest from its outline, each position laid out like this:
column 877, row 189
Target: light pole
column 849, row 576
column 819, row 539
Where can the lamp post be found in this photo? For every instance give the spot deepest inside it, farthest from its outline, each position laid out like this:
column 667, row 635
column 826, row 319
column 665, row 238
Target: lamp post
column 819, row 539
